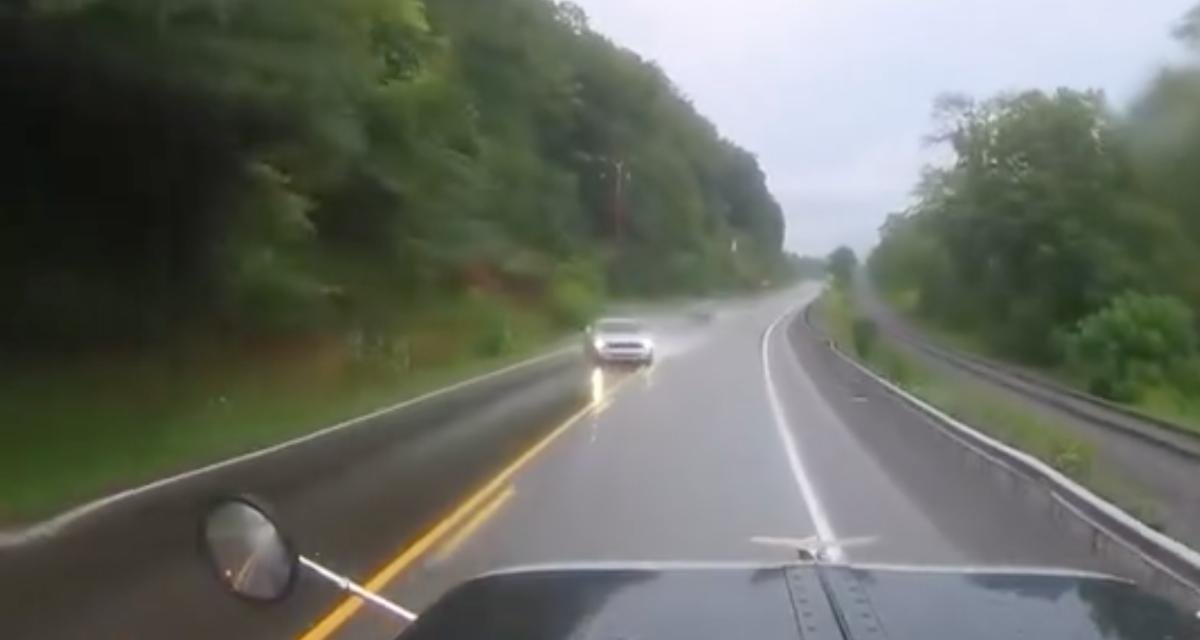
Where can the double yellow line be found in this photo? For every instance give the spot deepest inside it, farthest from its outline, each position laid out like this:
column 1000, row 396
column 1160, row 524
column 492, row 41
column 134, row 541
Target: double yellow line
column 471, row 526
column 347, row 608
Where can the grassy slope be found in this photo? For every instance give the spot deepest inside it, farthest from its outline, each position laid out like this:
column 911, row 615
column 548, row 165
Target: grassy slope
column 976, row 405
column 73, row 432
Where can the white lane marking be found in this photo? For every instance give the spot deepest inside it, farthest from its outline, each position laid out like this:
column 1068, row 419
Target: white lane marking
column 815, row 509
column 52, row 526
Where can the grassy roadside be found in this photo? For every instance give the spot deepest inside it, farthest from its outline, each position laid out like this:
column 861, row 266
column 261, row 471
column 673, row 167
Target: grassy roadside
column 1160, row 402
column 75, row 431
column 70, row 432
column 978, row 406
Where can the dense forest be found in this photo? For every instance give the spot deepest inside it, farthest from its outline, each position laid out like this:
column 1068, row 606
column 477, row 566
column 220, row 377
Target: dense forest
column 1064, row 233
column 297, row 166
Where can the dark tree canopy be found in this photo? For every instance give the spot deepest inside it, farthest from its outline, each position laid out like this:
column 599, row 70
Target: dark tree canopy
column 255, row 163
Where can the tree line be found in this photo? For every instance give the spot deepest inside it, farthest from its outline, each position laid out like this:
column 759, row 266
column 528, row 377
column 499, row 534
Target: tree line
column 268, row 166
column 1063, row 232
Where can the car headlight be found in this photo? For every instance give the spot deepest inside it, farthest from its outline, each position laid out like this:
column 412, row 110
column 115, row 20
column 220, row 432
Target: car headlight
column 648, row 344
column 597, row 344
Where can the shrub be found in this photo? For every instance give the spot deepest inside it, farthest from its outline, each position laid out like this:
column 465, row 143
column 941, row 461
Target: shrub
column 268, row 295
column 576, row 293
column 1187, row 375
column 1106, row 386
column 897, row 368
column 1071, row 457
column 1136, row 341
column 492, row 325
column 864, row 332
column 496, row 338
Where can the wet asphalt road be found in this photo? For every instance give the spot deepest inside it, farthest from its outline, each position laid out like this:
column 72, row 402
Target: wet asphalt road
column 747, row 425
column 690, row 459
column 133, row 570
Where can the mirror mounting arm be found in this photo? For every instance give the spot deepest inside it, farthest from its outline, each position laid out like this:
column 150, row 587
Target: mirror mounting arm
column 253, row 559
column 346, row 584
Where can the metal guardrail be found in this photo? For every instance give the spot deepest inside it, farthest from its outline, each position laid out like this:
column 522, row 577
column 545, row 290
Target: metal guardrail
column 1150, row 429
column 1063, row 389
column 1170, row 567
column 1170, row 436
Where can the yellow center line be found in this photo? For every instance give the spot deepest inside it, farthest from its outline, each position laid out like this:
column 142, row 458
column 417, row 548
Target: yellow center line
column 476, row 521
column 336, row 618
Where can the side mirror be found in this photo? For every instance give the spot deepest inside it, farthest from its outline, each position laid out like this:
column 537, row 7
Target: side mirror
column 247, row 551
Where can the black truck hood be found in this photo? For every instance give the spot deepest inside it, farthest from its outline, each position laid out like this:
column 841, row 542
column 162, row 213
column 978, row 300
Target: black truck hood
column 831, row 602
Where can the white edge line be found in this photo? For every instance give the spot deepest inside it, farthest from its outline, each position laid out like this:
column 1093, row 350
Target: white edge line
column 55, row 524
column 1061, row 481
column 816, row 510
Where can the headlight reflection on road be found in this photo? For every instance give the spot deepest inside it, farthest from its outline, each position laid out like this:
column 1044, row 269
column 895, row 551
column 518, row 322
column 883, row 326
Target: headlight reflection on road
column 597, row 386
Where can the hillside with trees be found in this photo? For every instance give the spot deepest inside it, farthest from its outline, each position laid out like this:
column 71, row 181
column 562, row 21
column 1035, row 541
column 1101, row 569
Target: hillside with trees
column 225, row 222
column 1065, row 234
column 297, row 165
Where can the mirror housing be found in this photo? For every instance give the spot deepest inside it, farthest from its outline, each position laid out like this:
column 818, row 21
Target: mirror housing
column 247, row 551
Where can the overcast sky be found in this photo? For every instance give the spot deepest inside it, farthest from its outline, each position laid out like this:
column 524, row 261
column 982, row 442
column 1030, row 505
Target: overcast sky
column 834, row 95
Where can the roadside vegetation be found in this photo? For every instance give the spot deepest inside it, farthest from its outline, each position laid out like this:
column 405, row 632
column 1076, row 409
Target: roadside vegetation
column 225, row 222
column 1063, row 234
column 976, row 404
column 73, row 431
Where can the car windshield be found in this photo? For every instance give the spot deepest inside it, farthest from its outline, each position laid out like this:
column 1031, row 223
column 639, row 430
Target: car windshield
column 618, row 326
column 461, row 285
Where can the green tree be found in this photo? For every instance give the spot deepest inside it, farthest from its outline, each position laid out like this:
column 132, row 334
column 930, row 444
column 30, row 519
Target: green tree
column 1134, row 342
column 1039, row 220
column 842, row 264
column 1062, row 229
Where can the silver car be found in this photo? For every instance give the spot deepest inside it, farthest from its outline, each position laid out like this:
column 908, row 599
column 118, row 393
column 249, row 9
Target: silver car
column 619, row 340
